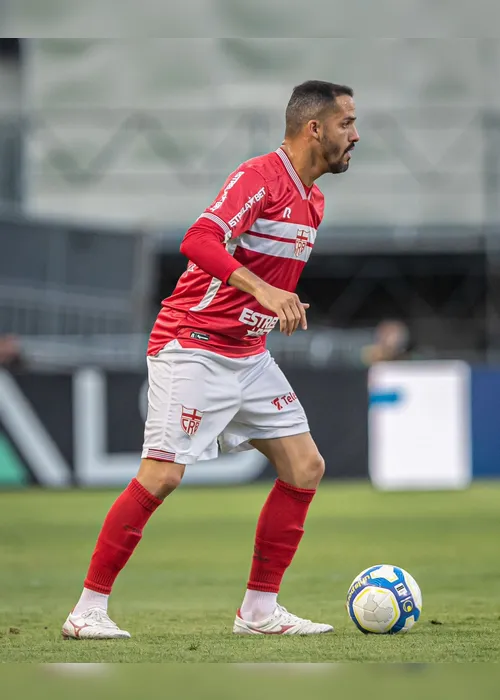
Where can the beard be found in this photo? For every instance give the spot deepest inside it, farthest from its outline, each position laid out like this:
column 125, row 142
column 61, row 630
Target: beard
column 334, row 156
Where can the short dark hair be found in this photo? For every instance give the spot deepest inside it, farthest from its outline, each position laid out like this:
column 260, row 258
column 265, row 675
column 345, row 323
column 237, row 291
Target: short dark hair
column 309, row 100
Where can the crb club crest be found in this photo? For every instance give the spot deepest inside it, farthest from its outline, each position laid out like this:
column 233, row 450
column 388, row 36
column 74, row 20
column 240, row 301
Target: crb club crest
column 301, row 240
column 190, row 420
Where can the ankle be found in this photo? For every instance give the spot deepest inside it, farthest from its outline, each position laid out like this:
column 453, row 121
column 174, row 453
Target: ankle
column 258, row 605
column 91, row 599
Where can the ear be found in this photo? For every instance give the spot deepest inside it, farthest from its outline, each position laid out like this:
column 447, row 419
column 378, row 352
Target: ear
column 313, row 128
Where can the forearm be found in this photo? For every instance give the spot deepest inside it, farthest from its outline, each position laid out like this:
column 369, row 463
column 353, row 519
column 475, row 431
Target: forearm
column 203, row 245
column 246, row 281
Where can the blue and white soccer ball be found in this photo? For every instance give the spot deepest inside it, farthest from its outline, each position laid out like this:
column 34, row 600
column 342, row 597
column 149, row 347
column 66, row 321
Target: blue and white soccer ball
column 384, row 599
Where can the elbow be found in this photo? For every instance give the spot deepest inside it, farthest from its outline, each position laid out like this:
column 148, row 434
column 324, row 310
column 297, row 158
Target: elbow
column 185, row 248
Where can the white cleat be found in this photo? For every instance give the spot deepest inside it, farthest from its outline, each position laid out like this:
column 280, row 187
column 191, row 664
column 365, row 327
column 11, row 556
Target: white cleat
column 94, row 623
column 280, row 622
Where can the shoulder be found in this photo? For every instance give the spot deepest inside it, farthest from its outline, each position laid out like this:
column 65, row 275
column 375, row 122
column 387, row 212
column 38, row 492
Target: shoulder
column 317, row 199
column 265, row 167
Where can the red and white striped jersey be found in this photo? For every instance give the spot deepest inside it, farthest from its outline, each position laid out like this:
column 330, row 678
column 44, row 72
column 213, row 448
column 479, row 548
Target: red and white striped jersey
column 268, row 221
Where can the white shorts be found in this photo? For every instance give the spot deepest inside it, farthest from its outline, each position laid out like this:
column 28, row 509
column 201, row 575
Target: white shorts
column 198, row 400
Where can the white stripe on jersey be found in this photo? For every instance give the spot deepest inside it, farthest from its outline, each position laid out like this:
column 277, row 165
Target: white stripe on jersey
column 215, row 284
column 285, row 248
column 271, row 246
column 282, row 229
column 217, row 220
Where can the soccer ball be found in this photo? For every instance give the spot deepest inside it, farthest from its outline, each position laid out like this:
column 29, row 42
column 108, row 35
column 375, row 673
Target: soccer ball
column 384, row 599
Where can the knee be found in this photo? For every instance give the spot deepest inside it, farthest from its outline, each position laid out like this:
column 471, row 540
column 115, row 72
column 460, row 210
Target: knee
column 160, row 478
column 316, row 467
column 171, row 478
column 311, row 471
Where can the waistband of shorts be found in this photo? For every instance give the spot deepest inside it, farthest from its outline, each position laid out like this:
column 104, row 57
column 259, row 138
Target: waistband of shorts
column 192, row 353
column 219, row 344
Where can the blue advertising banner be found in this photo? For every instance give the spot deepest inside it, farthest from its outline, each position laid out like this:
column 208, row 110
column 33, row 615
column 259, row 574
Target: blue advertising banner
column 485, row 400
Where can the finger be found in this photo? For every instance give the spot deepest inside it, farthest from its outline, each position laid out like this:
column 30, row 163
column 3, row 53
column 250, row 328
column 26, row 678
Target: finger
column 303, row 319
column 283, row 321
column 305, row 306
column 296, row 315
column 290, row 319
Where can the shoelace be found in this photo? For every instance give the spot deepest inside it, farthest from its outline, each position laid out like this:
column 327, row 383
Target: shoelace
column 99, row 616
column 290, row 617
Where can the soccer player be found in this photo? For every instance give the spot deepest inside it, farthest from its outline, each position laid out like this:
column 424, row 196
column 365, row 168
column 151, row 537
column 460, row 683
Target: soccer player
column 212, row 383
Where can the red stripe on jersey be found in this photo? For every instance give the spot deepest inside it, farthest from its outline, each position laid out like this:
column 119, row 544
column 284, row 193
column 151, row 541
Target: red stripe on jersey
column 274, row 238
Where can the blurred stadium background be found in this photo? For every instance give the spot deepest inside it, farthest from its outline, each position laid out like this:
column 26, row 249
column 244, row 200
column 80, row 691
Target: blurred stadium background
column 109, row 149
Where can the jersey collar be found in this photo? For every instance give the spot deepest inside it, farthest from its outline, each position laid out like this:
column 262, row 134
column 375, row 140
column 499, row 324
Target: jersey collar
column 293, row 174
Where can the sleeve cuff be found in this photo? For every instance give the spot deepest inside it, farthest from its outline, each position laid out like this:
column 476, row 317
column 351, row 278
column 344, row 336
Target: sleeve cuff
column 231, row 267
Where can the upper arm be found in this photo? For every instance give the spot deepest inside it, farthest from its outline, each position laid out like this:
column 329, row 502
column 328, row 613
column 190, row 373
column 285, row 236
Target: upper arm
column 239, row 203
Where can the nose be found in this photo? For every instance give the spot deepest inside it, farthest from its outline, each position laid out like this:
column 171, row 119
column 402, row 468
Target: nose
column 355, row 135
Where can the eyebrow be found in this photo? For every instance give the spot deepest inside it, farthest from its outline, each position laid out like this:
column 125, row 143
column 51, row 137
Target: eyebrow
column 349, row 119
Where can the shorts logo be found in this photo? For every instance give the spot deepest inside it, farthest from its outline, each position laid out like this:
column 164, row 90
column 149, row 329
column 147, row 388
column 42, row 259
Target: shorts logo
column 190, row 420
column 301, row 240
column 281, row 401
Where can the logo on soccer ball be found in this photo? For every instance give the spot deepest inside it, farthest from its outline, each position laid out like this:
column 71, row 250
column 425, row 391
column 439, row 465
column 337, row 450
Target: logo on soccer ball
column 301, row 240
column 190, row 420
column 407, row 605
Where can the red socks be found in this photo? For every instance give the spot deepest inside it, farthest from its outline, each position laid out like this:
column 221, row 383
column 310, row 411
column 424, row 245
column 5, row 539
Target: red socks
column 279, row 531
column 120, row 535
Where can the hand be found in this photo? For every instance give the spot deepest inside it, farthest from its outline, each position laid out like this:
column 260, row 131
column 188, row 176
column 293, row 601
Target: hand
column 286, row 305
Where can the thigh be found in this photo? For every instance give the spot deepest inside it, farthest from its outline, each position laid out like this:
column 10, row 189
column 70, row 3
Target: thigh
column 269, row 409
column 269, row 404
column 191, row 398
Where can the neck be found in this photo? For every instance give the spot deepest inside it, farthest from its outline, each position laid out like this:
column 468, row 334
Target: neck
column 304, row 161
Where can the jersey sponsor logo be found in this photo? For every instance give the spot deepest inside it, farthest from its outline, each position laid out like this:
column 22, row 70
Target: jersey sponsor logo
column 248, row 205
column 287, row 213
column 301, row 240
column 229, row 186
column 191, row 267
column 190, row 420
column 261, row 324
column 281, row 401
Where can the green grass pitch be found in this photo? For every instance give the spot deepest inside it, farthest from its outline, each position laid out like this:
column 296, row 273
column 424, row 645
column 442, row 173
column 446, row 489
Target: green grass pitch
column 179, row 593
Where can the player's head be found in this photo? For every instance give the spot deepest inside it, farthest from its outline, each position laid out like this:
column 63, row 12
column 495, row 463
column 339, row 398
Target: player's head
column 323, row 115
